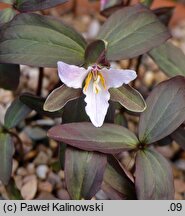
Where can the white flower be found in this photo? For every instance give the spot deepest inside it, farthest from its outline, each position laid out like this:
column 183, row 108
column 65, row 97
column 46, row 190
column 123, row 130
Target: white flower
column 97, row 82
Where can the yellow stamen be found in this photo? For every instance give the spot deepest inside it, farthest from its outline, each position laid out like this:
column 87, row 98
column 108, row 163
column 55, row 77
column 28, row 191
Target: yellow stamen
column 97, row 79
column 102, row 80
column 87, row 81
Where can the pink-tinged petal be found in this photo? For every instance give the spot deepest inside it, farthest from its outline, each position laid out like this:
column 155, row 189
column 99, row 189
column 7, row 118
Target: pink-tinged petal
column 71, row 75
column 114, row 78
column 97, row 105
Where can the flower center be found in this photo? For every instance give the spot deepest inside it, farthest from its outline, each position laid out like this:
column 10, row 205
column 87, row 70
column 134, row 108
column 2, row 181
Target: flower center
column 97, row 77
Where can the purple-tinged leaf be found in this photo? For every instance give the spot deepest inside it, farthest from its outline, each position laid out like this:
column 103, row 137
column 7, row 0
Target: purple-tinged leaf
column 16, row 112
column 58, row 98
column 6, row 154
column 9, row 76
column 111, row 193
column 170, row 59
column 109, row 138
column 179, row 136
column 7, row 15
column 164, row 14
column 165, row 110
column 154, row 178
column 132, row 31
column 83, row 172
column 96, row 53
column 36, row 103
column 105, row 4
column 36, row 5
column 42, row 43
column 116, row 177
column 128, row 97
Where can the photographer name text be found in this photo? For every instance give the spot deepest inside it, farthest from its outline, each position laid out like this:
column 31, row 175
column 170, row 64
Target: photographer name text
column 53, row 207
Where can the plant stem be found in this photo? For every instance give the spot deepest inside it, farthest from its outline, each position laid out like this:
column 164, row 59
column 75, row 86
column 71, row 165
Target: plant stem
column 74, row 8
column 40, row 81
column 138, row 63
column 127, row 3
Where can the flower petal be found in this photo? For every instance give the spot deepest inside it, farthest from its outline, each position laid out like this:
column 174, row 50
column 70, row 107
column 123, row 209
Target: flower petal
column 117, row 77
column 71, row 75
column 97, row 105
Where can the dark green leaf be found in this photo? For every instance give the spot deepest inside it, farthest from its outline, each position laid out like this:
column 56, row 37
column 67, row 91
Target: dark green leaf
column 179, row 136
column 132, row 31
column 95, row 52
column 165, row 110
column 42, row 42
column 165, row 141
column 154, row 178
column 128, row 97
column 115, row 177
column 36, row 103
column 84, row 173
column 9, row 76
column 170, row 59
column 62, row 149
column 58, row 98
column 6, row 153
column 35, row 5
column 6, row 15
column 16, row 112
column 121, row 120
column 74, row 111
column 109, row 138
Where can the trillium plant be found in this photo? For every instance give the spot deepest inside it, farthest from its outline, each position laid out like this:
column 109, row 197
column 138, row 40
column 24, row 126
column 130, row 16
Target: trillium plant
column 98, row 79
column 97, row 116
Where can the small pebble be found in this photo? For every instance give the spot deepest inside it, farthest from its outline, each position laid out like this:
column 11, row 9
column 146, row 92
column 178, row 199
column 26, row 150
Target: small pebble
column 45, row 186
column 45, row 196
column 22, row 171
column 179, row 185
column 42, row 171
column 42, row 158
column 18, row 181
column 63, row 194
column 53, row 178
column 31, row 168
column 29, row 189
